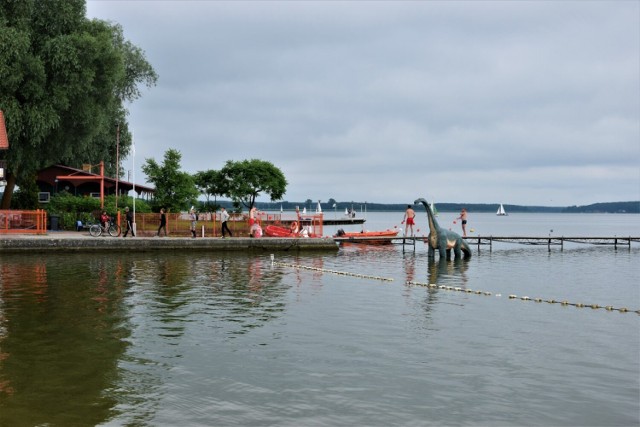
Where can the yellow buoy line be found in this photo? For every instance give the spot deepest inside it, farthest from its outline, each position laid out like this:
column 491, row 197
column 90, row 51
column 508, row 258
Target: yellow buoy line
column 525, row 298
column 324, row 270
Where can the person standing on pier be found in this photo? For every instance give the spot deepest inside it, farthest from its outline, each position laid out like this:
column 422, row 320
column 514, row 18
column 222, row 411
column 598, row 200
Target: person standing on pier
column 129, row 219
column 252, row 215
column 194, row 219
column 463, row 218
column 409, row 216
column 224, row 217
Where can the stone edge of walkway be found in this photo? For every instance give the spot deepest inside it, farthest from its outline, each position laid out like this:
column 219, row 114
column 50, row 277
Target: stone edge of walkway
column 71, row 242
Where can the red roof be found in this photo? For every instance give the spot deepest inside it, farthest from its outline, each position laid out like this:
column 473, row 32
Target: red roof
column 4, row 140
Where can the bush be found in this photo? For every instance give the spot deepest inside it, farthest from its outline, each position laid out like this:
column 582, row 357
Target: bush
column 70, row 209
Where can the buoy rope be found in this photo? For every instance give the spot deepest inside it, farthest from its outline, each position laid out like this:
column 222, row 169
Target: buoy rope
column 525, row 298
column 324, row 270
column 459, row 289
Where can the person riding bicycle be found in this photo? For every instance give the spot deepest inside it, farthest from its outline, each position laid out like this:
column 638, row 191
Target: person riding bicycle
column 104, row 219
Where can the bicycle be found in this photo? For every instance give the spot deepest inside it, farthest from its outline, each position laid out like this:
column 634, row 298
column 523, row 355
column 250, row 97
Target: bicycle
column 96, row 230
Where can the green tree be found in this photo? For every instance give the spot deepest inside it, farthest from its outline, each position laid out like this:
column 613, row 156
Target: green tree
column 175, row 190
column 27, row 196
column 246, row 180
column 64, row 82
column 210, row 183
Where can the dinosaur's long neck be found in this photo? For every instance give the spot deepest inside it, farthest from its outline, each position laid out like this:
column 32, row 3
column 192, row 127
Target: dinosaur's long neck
column 433, row 224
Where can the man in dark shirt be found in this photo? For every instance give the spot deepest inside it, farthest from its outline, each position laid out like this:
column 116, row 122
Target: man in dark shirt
column 129, row 219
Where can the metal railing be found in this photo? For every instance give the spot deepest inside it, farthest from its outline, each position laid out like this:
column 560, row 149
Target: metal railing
column 23, row 222
column 179, row 224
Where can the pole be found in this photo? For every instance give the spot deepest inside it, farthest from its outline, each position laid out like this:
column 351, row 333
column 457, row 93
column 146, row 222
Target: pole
column 117, row 161
column 133, row 144
column 101, row 184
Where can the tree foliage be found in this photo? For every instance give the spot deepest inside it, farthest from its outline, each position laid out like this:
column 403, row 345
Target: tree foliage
column 64, row 82
column 210, row 183
column 245, row 180
column 175, row 190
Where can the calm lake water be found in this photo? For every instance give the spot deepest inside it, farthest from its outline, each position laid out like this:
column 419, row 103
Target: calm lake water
column 209, row 339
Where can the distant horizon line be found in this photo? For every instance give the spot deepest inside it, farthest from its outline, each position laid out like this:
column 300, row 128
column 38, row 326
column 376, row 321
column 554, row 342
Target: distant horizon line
column 347, row 203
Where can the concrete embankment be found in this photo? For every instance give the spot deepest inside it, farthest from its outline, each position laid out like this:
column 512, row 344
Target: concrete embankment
column 60, row 241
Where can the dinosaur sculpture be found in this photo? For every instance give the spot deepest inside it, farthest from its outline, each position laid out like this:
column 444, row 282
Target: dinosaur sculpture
column 442, row 239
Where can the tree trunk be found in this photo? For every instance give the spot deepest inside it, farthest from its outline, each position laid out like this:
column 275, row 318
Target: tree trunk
column 8, row 191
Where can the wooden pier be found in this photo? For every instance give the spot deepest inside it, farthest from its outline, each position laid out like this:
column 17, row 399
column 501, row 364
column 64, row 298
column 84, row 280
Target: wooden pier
column 343, row 221
column 480, row 241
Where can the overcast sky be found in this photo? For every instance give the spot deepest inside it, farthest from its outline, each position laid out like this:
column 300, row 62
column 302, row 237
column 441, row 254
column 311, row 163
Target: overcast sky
column 519, row 102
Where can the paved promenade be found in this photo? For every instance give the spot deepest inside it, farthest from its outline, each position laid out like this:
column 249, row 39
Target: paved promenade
column 82, row 241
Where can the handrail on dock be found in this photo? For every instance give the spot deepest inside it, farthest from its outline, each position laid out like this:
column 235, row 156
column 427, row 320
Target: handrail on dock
column 479, row 241
column 614, row 241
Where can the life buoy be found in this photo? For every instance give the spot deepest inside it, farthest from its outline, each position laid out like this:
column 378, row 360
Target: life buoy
column 294, row 227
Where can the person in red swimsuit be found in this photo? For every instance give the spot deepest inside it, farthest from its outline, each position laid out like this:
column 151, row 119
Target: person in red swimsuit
column 409, row 216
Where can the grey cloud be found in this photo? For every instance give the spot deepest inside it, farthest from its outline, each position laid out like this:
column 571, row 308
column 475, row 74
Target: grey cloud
column 525, row 102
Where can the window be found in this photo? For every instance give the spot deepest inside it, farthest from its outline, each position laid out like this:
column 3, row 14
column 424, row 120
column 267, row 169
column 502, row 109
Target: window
column 95, row 195
column 44, row 197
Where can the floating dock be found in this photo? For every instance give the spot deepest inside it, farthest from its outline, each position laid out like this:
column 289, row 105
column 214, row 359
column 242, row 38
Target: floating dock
column 343, row 221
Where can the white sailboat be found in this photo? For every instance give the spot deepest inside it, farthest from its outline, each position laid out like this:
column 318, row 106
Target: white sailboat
column 501, row 211
column 319, row 208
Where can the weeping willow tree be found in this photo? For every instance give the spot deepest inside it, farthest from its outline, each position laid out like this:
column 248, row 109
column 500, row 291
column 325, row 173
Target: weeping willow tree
column 64, row 84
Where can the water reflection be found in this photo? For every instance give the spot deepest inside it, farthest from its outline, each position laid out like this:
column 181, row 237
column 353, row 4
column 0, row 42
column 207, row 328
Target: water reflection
column 230, row 339
column 71, row 327
column 438, row 271
column 62, row 335
column 452, row 272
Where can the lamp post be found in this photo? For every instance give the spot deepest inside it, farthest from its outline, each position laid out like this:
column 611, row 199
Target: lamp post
column 133, row 145
column 117, row 161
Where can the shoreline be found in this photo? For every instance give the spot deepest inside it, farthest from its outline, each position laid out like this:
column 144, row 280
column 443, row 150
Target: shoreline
column 75, row 241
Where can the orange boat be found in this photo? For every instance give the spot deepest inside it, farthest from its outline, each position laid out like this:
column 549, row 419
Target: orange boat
column 292, row 231
column 275, row 231
column 366, row 236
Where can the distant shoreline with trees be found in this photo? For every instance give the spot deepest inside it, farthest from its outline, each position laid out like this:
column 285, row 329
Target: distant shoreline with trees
column 608, row 207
